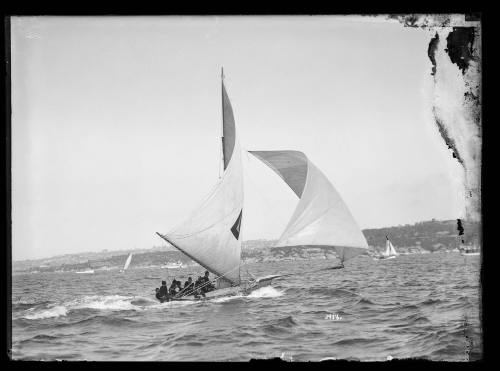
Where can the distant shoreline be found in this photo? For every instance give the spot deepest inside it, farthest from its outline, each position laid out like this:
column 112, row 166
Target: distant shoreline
column 421, row 237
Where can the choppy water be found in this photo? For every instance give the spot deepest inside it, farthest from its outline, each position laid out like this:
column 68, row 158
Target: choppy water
column 412, row 306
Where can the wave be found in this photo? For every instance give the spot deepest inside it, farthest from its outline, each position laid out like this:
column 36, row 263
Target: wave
column 356, row 341
column 280, row 325
column 287, row 321
column 417, row 318
column 144, row 302
column 330, row 291
column 44, row 337
column 123, row 303
column 224, row 299
column 265, row 292
column 176, row 303
column 105, row 320
column 110, row 302
column 366, row 301
column 431, row 302
column 93, row 302
column 23, row 304
column 53, row 312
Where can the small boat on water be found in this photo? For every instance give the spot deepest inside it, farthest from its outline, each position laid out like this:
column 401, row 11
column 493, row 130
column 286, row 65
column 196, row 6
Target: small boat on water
column 86, row 271
column 470, row 252
column 127, row 263
column 211, row 235
column 390, row 252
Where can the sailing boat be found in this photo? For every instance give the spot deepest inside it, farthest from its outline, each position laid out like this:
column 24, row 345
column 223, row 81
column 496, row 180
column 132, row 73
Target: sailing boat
column 127, row 263
column 211, row 235
column 390, row 252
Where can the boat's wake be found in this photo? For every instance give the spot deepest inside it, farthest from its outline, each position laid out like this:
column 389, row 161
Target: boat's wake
column 90, row 302
column 55, row 311
column 130, row 303
column 266, row 292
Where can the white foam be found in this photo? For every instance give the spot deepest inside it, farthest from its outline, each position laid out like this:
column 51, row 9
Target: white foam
column 265, row 292
column 120, row 302
column 223, row 299
column 110, row 302
column 175, row 304
column 56, row 311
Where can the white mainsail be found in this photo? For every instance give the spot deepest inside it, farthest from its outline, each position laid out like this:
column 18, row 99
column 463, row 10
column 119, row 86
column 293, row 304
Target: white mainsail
column 321, row 217
column 211, row 234
column 127, row 263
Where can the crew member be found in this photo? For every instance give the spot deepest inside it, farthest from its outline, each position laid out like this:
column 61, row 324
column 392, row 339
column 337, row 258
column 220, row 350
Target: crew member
column 163, row 291
column 173, row 288
column 208, row 286
column 188, row 286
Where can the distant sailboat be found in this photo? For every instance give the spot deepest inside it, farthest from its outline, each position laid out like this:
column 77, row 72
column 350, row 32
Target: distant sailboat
column 390, row 252
column 127, row 263
column 86, row 271
column 475, row 253
column 470, row 251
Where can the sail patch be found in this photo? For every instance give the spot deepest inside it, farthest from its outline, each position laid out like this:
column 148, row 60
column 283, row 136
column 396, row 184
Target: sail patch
column 236, row 227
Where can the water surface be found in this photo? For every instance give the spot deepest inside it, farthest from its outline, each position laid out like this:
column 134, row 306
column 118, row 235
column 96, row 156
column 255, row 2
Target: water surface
column 413, row 306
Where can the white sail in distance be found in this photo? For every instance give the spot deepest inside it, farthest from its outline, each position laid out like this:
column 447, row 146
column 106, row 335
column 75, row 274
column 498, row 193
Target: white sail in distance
column 321, row 217
column 211, row 234
column 127, row 262
column 389, row 248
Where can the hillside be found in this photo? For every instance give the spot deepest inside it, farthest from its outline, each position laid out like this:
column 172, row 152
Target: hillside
column 427, row 236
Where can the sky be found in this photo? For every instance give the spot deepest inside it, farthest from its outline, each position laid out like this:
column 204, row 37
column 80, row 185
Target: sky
column 116, row 123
